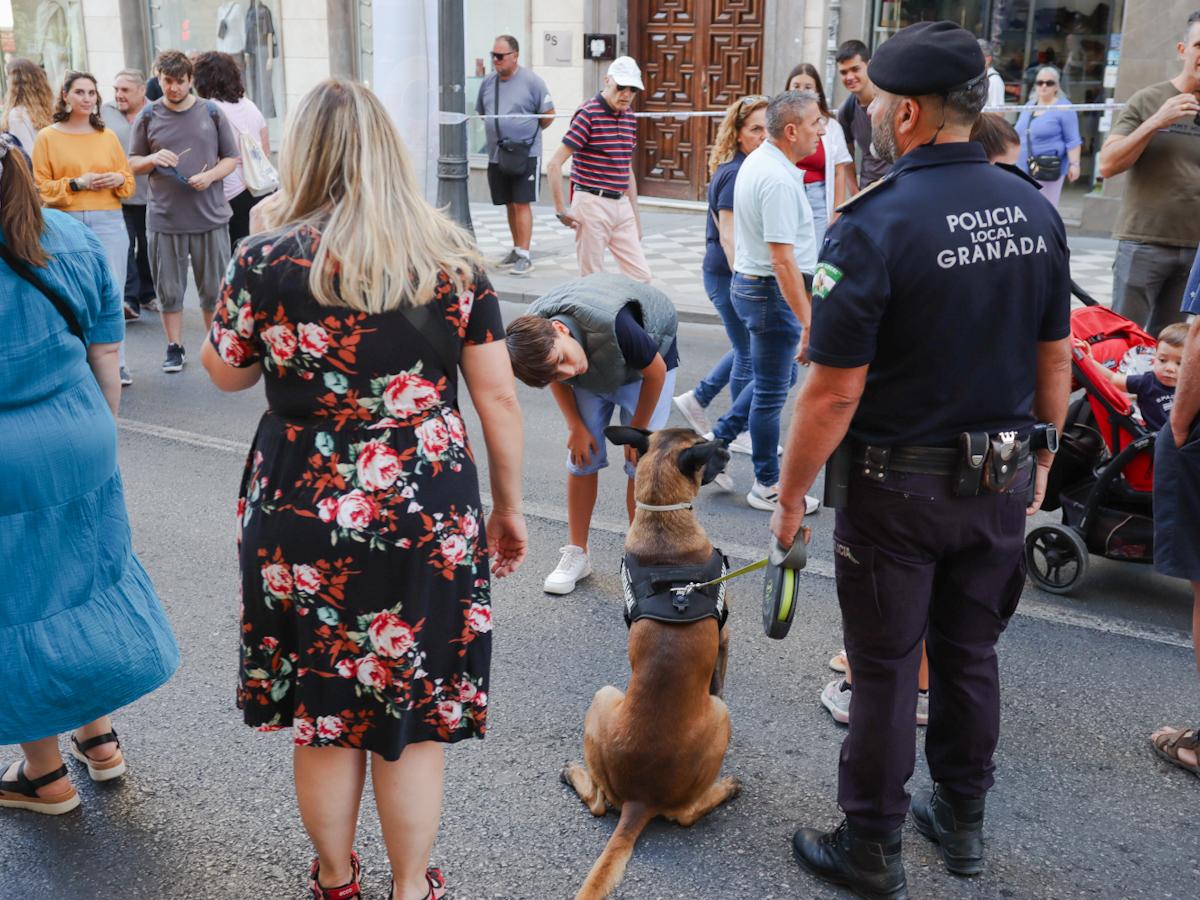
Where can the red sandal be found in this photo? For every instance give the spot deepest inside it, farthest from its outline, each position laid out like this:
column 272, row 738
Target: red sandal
column 348, row 891
column 436, row 881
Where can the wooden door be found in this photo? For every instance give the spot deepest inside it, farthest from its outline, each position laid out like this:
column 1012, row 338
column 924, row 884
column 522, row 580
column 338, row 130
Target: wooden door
column 694, row 54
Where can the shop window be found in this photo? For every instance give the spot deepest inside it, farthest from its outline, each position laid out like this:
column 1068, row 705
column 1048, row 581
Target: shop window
column 50, row 32
column 246, row 29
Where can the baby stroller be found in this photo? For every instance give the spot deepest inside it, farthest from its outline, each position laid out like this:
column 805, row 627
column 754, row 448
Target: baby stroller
column 1103, row 475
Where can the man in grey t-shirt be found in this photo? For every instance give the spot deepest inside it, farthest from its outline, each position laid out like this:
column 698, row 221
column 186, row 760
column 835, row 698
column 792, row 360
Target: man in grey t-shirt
column 518, row 91
column 188, row 147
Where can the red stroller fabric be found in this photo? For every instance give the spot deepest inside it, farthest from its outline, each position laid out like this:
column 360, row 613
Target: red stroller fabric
column 1110, row 336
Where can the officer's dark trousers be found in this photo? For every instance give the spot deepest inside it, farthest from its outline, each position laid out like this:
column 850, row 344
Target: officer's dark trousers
column 915, row 563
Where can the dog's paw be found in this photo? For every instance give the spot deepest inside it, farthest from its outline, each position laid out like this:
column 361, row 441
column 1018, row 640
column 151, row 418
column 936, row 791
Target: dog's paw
column 734, row 787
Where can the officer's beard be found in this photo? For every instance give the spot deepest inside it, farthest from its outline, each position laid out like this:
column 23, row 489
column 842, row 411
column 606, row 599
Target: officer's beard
column 883, row 138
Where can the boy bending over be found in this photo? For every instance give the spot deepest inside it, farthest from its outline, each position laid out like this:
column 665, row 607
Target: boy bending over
column 599, row 342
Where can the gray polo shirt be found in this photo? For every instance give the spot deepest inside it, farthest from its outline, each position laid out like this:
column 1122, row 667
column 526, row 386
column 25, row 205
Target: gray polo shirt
column 524, row 92
column 201, row 137
column 771, row 206
column 123, row 129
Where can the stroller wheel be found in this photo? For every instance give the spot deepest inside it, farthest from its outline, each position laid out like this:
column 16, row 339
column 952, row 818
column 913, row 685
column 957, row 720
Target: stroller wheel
column 1056, row 558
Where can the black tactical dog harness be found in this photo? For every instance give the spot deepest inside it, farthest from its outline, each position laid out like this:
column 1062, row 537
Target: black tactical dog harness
column 667, row 593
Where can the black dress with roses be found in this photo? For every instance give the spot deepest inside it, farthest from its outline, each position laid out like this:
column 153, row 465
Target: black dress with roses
column 366, row 610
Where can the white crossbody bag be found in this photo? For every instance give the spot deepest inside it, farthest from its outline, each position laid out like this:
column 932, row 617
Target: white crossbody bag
column 258, row 173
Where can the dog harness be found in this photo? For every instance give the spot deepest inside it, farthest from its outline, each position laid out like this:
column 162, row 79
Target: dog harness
column 675, row 594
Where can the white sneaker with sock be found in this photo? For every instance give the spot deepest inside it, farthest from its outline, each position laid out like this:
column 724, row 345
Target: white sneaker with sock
column 574, row 566
column 696, row 415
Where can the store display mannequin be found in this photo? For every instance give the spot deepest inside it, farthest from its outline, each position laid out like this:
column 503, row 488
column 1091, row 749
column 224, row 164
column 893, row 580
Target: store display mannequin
column 260, row 51
column 231, row 30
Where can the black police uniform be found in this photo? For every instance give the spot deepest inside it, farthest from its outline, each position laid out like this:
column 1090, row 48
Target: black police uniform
column 942, row 279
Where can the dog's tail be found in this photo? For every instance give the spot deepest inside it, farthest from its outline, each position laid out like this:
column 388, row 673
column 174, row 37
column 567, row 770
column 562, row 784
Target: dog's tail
column 608, row 870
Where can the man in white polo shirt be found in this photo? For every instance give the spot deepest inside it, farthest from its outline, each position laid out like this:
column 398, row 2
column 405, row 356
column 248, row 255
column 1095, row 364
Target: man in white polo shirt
column 775, row 254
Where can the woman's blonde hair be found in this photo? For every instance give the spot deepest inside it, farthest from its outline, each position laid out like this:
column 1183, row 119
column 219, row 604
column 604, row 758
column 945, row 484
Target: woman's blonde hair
column 344, row 171
column 28, row 87
column 725, row 144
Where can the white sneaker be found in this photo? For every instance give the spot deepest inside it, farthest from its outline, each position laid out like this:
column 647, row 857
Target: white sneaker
column 836, row 699
column 767, row 498
column 922, row 707
column 573, row 567
column 741, row 444
column 724, row 482
column 696, row 415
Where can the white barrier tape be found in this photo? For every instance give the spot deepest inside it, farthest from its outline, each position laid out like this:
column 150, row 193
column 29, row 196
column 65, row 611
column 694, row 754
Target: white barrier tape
column 457, row 118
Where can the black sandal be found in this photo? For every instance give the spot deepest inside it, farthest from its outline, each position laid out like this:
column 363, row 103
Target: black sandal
column 103, row 769
column 348, row 891
column 21, row 792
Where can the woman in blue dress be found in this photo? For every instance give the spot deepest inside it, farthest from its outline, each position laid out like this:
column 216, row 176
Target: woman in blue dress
column 1048, row 126
column 81, row 627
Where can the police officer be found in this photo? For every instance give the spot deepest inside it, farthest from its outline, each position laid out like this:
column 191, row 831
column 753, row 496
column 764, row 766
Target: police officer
column 940, row 320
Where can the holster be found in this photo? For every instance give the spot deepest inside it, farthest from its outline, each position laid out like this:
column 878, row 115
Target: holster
column 1002, row 463
column 974, row 453
column 837, row 476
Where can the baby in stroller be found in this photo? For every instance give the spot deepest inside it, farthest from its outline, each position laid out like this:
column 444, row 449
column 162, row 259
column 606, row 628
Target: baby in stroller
column 1154, row 390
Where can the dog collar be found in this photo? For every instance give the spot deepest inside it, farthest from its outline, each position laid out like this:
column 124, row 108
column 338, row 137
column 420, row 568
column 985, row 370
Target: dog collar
column 666, row 507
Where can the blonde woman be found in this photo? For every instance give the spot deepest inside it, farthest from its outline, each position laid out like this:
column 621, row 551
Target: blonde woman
column 366, row 611
column 1048, row 130
column 739, row 134
column 28, row 104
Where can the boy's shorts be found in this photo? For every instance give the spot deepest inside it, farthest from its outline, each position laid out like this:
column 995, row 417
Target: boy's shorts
column 596, row 411
column 1176, row 499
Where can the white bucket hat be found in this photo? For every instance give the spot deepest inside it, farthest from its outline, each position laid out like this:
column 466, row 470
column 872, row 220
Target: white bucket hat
column 625, row 73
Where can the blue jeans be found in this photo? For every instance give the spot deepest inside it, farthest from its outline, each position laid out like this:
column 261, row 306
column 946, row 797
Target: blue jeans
column 1191, row 293
column 109, row 226
column 815, row 190
column 774, row 340
column 734, row 367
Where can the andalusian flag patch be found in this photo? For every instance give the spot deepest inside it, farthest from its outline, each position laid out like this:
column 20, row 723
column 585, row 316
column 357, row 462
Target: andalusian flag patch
column 825, row 279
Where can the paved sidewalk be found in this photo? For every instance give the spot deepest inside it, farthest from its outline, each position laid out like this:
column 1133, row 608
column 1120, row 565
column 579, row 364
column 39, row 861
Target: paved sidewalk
column 674, row 246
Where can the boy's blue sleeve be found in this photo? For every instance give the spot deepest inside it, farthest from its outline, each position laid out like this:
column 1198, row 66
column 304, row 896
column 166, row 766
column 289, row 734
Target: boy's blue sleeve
column 638, row 348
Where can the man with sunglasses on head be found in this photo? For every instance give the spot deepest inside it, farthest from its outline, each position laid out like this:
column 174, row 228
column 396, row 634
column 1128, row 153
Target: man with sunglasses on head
column 513, row 90
column 600, row 144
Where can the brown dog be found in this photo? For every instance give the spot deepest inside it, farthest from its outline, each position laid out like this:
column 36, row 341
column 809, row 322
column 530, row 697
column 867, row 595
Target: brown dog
column 657, row 748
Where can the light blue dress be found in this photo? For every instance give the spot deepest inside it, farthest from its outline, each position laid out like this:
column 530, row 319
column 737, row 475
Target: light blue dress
column 82, row 631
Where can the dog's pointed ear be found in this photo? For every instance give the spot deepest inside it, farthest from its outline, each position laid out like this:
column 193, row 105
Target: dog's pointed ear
column 710, row 455
column 625, row 435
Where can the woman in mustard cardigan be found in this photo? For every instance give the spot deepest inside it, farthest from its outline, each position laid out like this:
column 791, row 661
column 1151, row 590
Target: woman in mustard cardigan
column 80, row 167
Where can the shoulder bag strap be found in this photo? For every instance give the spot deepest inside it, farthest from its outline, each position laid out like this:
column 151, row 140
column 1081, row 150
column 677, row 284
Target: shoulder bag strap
column 22, row 269
column 435, row 330
column 496, row 110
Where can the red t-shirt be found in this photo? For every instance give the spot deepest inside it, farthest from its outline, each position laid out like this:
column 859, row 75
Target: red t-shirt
column 814, row 166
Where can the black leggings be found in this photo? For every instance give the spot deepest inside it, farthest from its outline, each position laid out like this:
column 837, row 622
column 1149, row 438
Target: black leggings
column 239, row 224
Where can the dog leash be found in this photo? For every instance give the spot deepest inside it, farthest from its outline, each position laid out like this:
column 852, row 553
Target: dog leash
column 686, row 589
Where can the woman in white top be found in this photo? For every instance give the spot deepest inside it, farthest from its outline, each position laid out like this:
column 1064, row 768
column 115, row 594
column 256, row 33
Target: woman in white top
column 828, row 173
column 29, row 103
column 218, row 78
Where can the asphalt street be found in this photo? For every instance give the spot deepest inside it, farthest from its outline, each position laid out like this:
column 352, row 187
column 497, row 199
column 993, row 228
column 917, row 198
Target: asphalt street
column 1081, row 807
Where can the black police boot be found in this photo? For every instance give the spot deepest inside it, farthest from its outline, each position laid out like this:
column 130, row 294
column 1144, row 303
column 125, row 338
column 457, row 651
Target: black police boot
column 955, row 824
column 870, row 867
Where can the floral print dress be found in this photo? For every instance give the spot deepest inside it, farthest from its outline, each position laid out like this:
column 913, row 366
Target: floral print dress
column 366, row 612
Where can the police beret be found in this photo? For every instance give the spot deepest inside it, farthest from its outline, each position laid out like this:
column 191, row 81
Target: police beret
column 927, row 58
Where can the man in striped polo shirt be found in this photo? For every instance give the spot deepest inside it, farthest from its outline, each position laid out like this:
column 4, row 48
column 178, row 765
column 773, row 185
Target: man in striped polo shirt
column 600, row 145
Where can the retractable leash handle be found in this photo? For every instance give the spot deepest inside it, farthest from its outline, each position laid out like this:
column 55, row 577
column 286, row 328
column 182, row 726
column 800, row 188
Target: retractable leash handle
column 781, row 585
